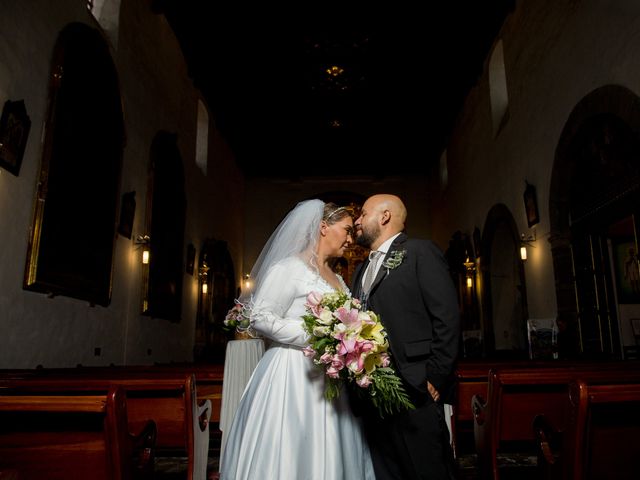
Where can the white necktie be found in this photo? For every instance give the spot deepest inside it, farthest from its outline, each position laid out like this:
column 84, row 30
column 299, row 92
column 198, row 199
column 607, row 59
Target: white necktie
column 374, row 256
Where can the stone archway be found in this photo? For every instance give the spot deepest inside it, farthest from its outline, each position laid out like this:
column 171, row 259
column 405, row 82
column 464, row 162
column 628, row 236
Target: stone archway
column 504, row 300
column 595, row 183
column 216, row 270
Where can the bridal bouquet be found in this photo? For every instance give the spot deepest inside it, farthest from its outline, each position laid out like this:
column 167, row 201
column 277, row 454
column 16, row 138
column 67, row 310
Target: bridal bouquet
column 351, row 346
column 236, row 319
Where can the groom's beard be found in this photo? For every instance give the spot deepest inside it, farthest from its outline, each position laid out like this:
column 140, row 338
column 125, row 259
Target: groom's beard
column 367, row 237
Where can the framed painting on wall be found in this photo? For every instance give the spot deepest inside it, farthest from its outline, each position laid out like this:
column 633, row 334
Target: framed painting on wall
column 531, row 205
column 14, row 131
column 627, row 270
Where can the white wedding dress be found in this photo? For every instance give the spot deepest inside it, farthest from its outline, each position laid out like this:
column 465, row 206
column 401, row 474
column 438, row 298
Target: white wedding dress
column 284, row 428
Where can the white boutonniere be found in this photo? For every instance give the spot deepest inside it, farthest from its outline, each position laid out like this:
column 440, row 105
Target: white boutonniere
column 394, row 260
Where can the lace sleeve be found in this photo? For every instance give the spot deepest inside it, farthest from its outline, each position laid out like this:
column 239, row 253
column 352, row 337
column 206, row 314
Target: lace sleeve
column 344, row 286
column 270, row 305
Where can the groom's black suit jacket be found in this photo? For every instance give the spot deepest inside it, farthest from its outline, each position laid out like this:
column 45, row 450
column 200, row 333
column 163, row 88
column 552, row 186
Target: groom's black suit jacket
column 418, row 307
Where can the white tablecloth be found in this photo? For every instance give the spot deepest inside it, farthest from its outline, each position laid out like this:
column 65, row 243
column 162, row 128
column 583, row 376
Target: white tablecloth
column 241, row 358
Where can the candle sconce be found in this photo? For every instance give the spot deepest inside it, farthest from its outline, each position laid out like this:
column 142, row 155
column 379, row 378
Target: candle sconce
column 203, row 276
column 144, row 242
column 206, row 277
column 470, row 268
column 526, row 241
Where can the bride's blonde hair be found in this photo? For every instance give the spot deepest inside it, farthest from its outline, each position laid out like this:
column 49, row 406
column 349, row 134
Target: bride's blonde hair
column 333, row 213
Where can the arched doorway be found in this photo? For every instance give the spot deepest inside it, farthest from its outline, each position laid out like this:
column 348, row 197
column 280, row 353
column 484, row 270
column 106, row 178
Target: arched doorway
column 216, row 271
column 463, row 260
column 503, row 304
column 594, row 208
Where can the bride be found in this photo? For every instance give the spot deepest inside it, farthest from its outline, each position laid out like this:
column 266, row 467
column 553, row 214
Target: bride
column 283, row 427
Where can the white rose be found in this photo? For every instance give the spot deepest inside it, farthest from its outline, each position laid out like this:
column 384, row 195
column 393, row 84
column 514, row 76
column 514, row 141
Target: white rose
column 321, row 331
column 325, row 317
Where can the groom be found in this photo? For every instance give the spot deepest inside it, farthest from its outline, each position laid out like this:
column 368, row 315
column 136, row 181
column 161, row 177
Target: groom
column 409, row 286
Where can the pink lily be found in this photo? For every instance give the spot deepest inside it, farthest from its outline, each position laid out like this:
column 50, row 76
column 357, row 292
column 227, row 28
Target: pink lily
column 348, row 316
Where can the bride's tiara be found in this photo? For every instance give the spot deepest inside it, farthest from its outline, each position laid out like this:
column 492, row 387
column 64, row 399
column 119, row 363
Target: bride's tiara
column 337, row 210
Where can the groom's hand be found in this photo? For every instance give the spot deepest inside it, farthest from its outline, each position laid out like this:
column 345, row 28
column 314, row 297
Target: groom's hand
column 433, row 392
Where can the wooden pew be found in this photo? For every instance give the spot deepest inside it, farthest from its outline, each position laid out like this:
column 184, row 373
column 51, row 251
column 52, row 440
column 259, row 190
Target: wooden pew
column 167, row 399
column 208, row 382
column 600, row 437
column 472, row 380
column 504, row 422
column 208, row 377
column 472, row 377
column 61, row 437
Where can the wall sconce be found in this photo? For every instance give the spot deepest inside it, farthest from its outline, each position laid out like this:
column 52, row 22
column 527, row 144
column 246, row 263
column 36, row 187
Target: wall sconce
column 526, row 241
column 470, row 266
column 247, row 281
column 144, row 241
column 203, row 273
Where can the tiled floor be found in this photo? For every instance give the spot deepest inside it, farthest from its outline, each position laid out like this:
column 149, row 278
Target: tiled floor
column 175, row 468
column 512, row 467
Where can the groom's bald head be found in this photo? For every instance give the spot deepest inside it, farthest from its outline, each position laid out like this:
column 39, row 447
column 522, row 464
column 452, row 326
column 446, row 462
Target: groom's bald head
column 383, row 215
